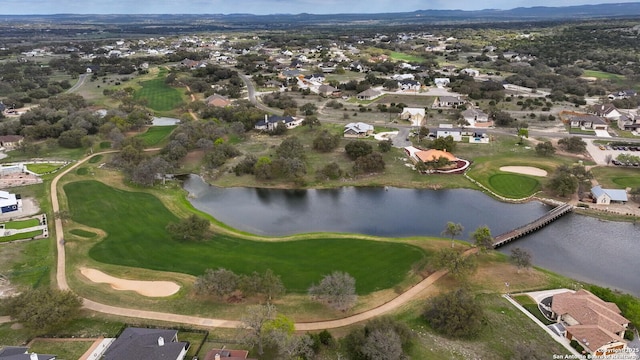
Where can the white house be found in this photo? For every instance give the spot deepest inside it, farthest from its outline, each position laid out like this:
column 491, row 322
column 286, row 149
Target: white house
column 9, row 202
column 607, row 196
column 400, row 77
column 607, row 111
column 448, row 130
column 474, row 116
column 441, row 82
column 448, row 101
column 470, row 72
column 358, row 129
column 270, row 123
column 415, row 115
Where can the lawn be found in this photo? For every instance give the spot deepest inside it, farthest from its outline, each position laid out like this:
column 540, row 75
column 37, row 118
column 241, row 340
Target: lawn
column 528, row 303
column 602, row 75
column 155, row 134
column 22, row 224
column 82, row 233
column 27, row 263
column 95, row 159
column 64, row 350
column 159, row 95
column 21, row 236
column 616, row 177
column 43, row 168
column 513, row 186
column 406, row 57
column 136, row 222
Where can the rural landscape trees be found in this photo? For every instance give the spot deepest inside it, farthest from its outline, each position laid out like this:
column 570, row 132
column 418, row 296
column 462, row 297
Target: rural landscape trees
column 454, row 313
column 337, row 290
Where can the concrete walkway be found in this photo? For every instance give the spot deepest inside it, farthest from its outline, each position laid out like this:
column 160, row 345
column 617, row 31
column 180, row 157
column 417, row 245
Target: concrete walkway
column 61, row 279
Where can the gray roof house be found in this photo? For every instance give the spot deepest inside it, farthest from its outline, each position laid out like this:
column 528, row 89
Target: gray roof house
column 147, row 344
column 22, row 353
column 607, row 196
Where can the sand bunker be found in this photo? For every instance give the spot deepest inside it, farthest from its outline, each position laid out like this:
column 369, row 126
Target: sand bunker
column 146, row 288
column 527, row 170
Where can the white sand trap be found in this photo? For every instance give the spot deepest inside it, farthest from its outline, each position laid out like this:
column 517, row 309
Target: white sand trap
column 146, row 288
column 527, row 170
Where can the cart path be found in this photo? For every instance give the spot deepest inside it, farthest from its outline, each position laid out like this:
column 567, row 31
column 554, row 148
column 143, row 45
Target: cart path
column 61, row 279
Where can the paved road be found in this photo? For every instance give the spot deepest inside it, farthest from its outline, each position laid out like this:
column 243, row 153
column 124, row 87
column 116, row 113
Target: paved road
column 81, row 79
column 61, row 279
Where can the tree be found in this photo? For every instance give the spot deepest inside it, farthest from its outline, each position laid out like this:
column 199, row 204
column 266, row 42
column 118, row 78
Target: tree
column 456, row 314
column 482, row 238
column 193, row 228
column 370, row 163
column 502, row 118
column 268, row 284
column 325, row 141
column 457, row 264
column 290, row 148
column 545, row 149
column 311, row 121
column 444, row 143
column 356, row 149
column 72, row 138
column 330, row 171
column 308, row 109
column 254, row 321
column 43, row 310
column 521, row 258
column 219, row 282
column 452, row 230
column 338, row 290
column 385, row 146
column 381, row 338
column 573, row 144
column 563, row 182
column 423, row 132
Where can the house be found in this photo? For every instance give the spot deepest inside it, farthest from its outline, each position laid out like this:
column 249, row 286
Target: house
column 478, row 136
column 314, row 78
column 409, row 85
column 271, row 122
column 470, row 72
column 629, row 122
column 328, row 90
column 400, row 77
column 146, row 344
column 415, row 115
column 273, row 84
column 22, row 353
column 227, row 354
column 448, row 102
column 607, row 196
column 607, row 111
column 217, row 100
column 358, row 129
column 622, row 94
column 448, row 130
column 441, row 82
column 588, row 121
column 369, row 94
column 11, row 142
column 595, row 324
column 475, row 116
column 9, row 202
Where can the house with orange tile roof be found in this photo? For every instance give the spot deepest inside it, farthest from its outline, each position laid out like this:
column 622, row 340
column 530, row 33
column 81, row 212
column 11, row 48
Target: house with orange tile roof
column 595, row 324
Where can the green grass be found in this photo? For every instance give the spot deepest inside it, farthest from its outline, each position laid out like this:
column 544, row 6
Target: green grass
column 82, row 171
column 105, row 145
column 96, row 158
column 513, row 185
column 530, row 305
column 617, row 177
column 159, row 95
column 67, row 350
column 136, row 222
column 155, row 134
column 22, row 224
column 82, row 233
column 42, row 168
column 21, row 236
column 27, row 264
column 602, row 75
column 406, row 57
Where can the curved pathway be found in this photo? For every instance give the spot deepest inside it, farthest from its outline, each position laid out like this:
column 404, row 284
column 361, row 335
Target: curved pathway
column 61, row 279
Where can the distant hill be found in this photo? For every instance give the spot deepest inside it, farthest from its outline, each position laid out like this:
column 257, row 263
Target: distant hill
column 538, row 13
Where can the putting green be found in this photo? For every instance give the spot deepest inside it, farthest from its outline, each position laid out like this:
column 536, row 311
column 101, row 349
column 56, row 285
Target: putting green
column 513, row 185
column 135, row 223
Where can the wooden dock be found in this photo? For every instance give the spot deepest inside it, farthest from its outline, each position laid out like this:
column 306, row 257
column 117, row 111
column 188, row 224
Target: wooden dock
column 538, row 224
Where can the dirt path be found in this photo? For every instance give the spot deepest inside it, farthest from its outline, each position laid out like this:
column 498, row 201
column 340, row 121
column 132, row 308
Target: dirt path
column 61, row 280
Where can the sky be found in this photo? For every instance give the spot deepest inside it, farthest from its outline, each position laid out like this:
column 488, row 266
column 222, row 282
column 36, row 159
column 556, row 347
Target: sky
column 262, row 7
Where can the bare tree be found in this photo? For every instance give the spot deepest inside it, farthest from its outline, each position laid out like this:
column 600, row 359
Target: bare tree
column 521, row 258
column 337, row 289
column 383, row 344
column 219, row 282
column 253, row 321
column 458, row 265
column 452, row 230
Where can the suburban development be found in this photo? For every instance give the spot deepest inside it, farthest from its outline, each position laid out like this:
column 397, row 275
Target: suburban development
column 427, row 185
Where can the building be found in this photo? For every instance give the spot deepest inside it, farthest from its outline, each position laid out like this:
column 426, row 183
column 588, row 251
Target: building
column 475, row 117
column 270, row 123
column 10, row 142
column 227, row 354
column 369, row 94
column 147, row 344
column 22, row 353
column 415, row 115
column 358, row 129
column 9, row 202
column 595, row 324
column 608, row 196
column 588, row 122
column 448, row 130
column 448, row 102
column 217, row 101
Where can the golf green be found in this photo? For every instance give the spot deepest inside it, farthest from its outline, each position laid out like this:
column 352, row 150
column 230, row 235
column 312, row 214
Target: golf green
column 135, row 223
column 513, row 185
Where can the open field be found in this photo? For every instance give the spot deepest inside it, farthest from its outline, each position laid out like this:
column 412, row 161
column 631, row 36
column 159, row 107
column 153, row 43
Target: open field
column 602, row 75
column 159, row 95
column 616, row 177
column 43, row 168
column 406, row 57
column 135, row 224
column 155, row 134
